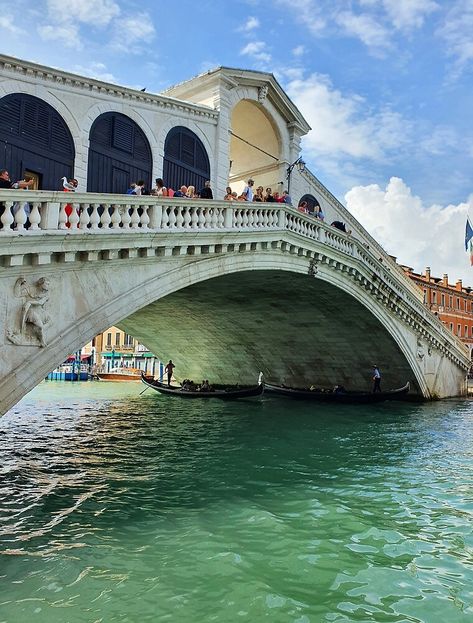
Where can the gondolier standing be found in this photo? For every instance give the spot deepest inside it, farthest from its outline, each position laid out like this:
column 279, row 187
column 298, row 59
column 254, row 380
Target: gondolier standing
column 168, row 369
column 376, row 379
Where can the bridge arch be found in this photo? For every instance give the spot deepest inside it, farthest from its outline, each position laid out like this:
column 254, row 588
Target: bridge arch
column 230, row 314
column 36, row 139
column 119, row 153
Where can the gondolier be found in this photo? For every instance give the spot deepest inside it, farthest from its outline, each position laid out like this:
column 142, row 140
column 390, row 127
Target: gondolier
column 376, row 379
column 169, row 369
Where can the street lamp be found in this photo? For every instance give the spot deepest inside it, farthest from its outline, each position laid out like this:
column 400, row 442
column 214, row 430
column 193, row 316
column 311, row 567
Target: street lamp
column 300, row 164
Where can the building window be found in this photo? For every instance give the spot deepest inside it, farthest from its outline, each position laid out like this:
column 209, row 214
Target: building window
column 434, row 298
column 451, row 327
column 451, row 301
column 458, row 303
column 128, row 340
column 466, row 331
column 443, row 300
column 109, row 339
column 117, row 339
column 459, row 330
column 425, row 297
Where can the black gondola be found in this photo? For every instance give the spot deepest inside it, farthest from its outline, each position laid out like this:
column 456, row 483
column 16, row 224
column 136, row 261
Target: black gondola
column 338, row 396
column 223, row 392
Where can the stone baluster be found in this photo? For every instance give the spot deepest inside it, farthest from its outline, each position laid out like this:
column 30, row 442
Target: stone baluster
column 180, row 216
column 144, row 220
column 84, row 217
column 220, row 218
column 126, row 216
column 135, row 217
column 94, row 217
column 187, row 218
column 239, row 218
column 62, row 221
column 35, row 216
column 165, row 217
column 194, row 218
column 105, row 219
column 213, row 218
column 116, row 217
column 74, row 217
column 201, row 218
column 244, row 218
column 7, row 217
column 20, row 216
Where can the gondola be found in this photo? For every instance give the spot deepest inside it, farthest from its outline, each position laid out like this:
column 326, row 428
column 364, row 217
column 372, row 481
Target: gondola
column 343, row 397
column 223, row 392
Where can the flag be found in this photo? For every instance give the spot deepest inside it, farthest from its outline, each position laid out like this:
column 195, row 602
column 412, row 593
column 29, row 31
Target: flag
column 468, row 233
column 471, row 253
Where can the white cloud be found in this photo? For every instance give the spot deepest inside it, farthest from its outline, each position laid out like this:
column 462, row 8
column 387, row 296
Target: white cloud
column 418, row 235
column 457, row 32
column 95, row 70
column 7, row 23
column 311, row 14
column 251, row 24
column 341, row 125
column 93, row 12
column 408, row 14
column 131, row 32
column 256, row 50
column 366, row 28
column 298, row 51
column 66, row 34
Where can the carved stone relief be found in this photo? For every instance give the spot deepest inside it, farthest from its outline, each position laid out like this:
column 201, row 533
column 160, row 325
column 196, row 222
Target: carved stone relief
column 262, row 93
column 31, row 320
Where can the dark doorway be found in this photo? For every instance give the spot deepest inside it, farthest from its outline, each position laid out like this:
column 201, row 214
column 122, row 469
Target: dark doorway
column 34, row 138
column 185, row 160
column 119, row 154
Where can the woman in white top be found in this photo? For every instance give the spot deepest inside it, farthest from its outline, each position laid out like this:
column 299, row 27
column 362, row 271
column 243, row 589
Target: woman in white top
column 160, row 189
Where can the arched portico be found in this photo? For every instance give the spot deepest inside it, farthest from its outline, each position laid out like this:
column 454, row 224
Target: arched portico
column 255, row 147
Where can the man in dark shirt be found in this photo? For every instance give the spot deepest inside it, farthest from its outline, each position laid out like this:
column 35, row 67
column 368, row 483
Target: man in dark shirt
column 206, row 192
column 5, row 181
column 339, row 225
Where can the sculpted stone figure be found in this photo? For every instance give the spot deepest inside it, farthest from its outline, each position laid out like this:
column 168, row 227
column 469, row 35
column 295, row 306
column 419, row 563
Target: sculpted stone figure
column 33, row 317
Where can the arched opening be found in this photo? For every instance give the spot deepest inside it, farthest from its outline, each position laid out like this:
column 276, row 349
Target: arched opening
column 185, row 159
column 35, row 141
column 254, row 148
column 119, row 154
column 310, row 203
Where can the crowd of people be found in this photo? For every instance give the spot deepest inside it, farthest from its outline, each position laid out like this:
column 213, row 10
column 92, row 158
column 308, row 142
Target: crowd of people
column 249, row 193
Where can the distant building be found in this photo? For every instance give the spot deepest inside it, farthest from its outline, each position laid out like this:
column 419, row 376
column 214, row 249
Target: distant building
column 453, row 304
column 115, row 348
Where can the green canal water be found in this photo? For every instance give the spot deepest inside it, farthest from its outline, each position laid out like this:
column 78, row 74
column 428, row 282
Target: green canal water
column 117, row 507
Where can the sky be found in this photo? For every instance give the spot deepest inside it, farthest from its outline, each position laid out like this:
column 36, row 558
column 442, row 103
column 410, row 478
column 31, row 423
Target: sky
column 386, row 86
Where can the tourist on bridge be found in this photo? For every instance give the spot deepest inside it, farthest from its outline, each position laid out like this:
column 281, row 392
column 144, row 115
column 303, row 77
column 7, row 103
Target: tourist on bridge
column 248, row 191
column 206, row 192
column 376, row 379
column 160, row 189
column 169, row 369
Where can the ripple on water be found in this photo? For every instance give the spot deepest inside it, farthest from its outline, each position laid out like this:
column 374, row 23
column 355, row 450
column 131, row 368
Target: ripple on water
column 120, row 507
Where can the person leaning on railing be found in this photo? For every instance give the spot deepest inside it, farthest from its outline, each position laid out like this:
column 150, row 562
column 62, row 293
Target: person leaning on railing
column 7, row 184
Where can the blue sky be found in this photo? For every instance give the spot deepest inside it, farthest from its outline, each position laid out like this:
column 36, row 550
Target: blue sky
column 385, row 84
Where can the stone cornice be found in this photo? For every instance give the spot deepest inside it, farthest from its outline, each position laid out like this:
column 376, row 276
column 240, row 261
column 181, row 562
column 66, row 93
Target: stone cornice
column 48, row 75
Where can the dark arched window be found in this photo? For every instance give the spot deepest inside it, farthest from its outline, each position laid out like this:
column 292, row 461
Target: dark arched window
column 185, row 159
column 311, row 203
column 34, row 139
column 119, row 154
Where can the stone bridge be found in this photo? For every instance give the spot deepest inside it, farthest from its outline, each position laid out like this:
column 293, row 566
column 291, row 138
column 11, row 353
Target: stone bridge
column 225, row 289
